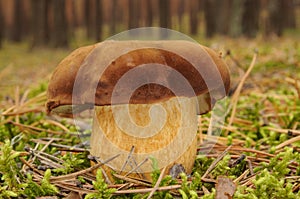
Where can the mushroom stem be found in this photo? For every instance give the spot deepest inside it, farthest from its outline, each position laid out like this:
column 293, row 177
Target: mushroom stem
column 165, row 131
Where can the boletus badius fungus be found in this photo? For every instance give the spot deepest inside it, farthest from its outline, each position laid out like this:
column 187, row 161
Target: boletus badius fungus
column 146, row 96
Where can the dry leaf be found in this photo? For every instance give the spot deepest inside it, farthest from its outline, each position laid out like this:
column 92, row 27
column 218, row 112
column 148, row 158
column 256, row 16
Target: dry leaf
column 225, row 188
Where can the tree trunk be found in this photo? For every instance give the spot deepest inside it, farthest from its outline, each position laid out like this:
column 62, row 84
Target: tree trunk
column 88, row 16
column 276, row 20
column 180, row 14
column 250, row 18
column 194, row 17
column 39, row 22
column 209, row 14
column 165, row 14
column 17, row 21
column 71, row 17
column 149, row 16
column 99, row 20
column 60, row 29
column 288, row 12
column 113, row 18
column 93, row 19
column 235, row 22
column 133, row 19
column 222, row 16
column 2, row 25
column 164, row 17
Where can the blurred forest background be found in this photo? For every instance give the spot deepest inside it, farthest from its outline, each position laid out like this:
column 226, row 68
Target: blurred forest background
column 35, row 35
column 56, row 23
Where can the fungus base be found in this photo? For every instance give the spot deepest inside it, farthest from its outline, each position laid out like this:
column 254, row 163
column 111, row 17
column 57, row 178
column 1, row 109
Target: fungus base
column 165, row 131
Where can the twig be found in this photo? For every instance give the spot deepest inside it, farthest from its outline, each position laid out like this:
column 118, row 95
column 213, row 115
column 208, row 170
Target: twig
column 107, row 180
column 214, row 163
column 296, row 187
column 17, row 101
column 24, row 96
column 146, row 190
column 41, row 154
column 205, row 190
column 43, row 149
column 288, row 142
column 221, row 139
column 39, row 98
column 8, row 110
column 90, row 177
column 245, row 173
column 296, row 83
column 128, row 158
column 242, row 149
column 157, row 183
column 60, row 146
column 31, row 167
column 21, row 112
column 237, row 156
column 35, row 128
column 56, row 124
column 74, row 175
column 74, row 188
column 132, row 180
column 139, row 173
column 238, row 91
column 48, row 162
column 137, row 167
column 125, row 186
column 200, row 134
column 285, row 131
column 250, row 167
column 248, row 181
column 228, row 53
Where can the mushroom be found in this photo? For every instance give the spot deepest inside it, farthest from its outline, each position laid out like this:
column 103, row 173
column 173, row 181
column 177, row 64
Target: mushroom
column 146, row 96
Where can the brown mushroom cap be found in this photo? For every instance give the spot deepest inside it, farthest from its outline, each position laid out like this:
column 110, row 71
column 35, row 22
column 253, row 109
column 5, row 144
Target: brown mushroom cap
column 90, row 75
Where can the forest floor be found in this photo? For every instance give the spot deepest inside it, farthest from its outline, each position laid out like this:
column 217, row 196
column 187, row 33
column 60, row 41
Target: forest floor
column 257, row 154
